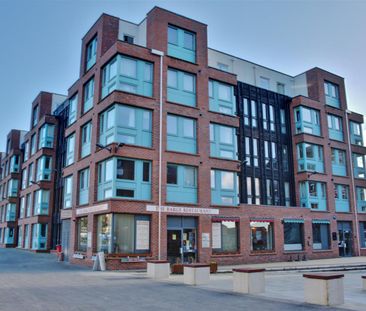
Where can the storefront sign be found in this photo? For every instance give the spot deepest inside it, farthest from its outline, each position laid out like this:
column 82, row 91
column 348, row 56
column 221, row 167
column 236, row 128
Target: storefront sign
column 78, row 256
column 182, row 210
column 142, row 234
column 92, row 209
column 205, row 240
column 216, row 235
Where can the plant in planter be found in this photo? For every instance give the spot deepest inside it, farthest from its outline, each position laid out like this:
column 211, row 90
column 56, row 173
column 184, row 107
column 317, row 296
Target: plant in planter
column 213, row 267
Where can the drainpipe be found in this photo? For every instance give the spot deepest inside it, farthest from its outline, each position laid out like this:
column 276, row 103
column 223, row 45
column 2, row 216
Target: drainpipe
column 161, row 54
column 355, row 209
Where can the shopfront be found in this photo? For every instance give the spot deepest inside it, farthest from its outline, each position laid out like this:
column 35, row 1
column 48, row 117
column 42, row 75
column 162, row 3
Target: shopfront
column 345, row 240
column 182, row 239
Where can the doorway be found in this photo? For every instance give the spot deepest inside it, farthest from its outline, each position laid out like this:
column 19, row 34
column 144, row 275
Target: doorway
column 345, row 239
column 181, row 241
column 65, row 238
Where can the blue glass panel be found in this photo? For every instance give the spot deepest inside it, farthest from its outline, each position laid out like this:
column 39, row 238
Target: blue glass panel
column 222, row 98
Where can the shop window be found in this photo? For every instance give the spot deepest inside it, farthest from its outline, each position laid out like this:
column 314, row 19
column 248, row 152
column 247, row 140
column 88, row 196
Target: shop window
column 262, row 236
column 225, row 236
column 293, row 235
column 321, row 235
column 82, row 233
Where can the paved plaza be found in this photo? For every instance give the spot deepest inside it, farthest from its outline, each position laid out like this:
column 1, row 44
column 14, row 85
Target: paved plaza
column 37, row 282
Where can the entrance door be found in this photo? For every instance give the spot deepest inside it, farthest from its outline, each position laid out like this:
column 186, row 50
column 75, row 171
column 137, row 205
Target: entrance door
column 65, row 238
column 345, row 240
column 174, row 246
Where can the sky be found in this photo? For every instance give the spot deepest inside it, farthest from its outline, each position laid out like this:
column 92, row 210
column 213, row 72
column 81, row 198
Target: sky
column 40, row 41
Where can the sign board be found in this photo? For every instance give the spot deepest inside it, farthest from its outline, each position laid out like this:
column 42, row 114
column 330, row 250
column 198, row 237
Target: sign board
column 142, row 234
column 216, row 235
column 205, row 240
column 91, row 209
column 182, row 210
column 78, row 256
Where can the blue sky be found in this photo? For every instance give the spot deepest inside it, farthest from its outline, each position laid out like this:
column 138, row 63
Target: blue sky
column 40, row 41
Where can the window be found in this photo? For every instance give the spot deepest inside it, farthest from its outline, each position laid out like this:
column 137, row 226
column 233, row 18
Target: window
column 264, row 83
column 335, row 127
column 225, row 236
column 128, row 39
column 181, row 87
column 67, row 192
column 307, row 121
column 262, row 236
column 363, row 234
column 310, row 158
column 13, row 188
column 181, row 134
column 269, row 191
column 44, row 168
column 359, row 165
column 341, row 194
column 22, row 208
column 280, row 88
column 224, row 185
column 33, row 146
column 46, row 136
column 271, row 118
column 24, row 178
column 313, row 195
column 73, row 102
column 14, row 164
column 286, row 187
column 361, row 199
column 28, row 205
column 181, row 44
column 181, row 184
column 124, row 178
column 321, row 235
column 264, row 116
column 222, row 97
column 223, row 141
column 127, row 74
column 223, row 67
column 331, row 91
column 41, row 202
column 35, row 116
column 88, row 95
column 26, row 152
column 91, row 53
column 30, row 175
column 70, row 150
column 84, row 186
column 293, row 235
column 82, row 234
column 86, row 132
column 339, row 162
column 283, row 121
column 39, row 236
column 285, row 158
column 356, row 133
column 126, row 124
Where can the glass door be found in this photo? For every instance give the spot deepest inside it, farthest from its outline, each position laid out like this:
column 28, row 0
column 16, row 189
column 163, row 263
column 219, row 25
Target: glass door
column 345, row 240
column 174, row 246
column 189, row 245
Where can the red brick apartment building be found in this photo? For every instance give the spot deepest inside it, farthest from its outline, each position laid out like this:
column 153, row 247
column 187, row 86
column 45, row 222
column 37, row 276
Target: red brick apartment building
column 165, row 148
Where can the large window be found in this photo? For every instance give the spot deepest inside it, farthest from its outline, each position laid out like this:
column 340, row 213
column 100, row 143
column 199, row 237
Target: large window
column 224, row 188
column 335, row 127
column 341, row 195
column 363, row 234
column 35, row 113
column 331, row 91
column 181, row 44
column 181, row 134
column 14, row 164
column 181, row 87
column 321, row 234
column 262, row 236
column 68, row 192
column 41, row 202
column 46, row 136
column 84, row 186
column 361, row 199
column 91, row 53
column 88, row 95
column 310, row 157
column 39, row 236
column 339, row 167
column 222, row 97
column 359, row 166
column 127, row 74
column 293, row 234
column 86, row 132
column 124, row 178
column 131, row 234
column 307, row 120
column 82, row 234
column 126, row 124
column 223, row 141
column 181, row 183
column 225, row 236
column 73, row 102
column 70, row 150
column 44, row 168
column 356, row 133
column 313, row 195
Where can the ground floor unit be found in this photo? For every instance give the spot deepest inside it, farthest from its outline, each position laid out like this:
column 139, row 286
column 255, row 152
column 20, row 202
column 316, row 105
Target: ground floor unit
column 130, row 235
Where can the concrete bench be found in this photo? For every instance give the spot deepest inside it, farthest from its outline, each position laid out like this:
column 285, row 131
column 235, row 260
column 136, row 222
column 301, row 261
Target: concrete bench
column 363, row 282
column 196, row 274
column 158, row 269
column 324, row 289
column 248, row 281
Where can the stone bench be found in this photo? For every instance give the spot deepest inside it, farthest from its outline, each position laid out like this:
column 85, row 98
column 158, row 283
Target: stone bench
column 248, row 281
column 158, row 269
column 324, row 289
column 196, row 274
column 363, row 282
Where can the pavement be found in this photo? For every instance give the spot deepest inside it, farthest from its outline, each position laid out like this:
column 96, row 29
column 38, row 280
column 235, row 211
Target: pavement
column 36, row 282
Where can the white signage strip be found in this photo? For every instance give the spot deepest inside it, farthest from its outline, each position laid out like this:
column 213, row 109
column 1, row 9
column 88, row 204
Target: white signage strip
column 182, row 210
column 92, row 209
column 142, row 234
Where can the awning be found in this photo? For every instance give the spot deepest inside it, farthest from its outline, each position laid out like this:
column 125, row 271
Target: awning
column 293, row 221
column 223, row 218
column 261, row 220
column 321, row 221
